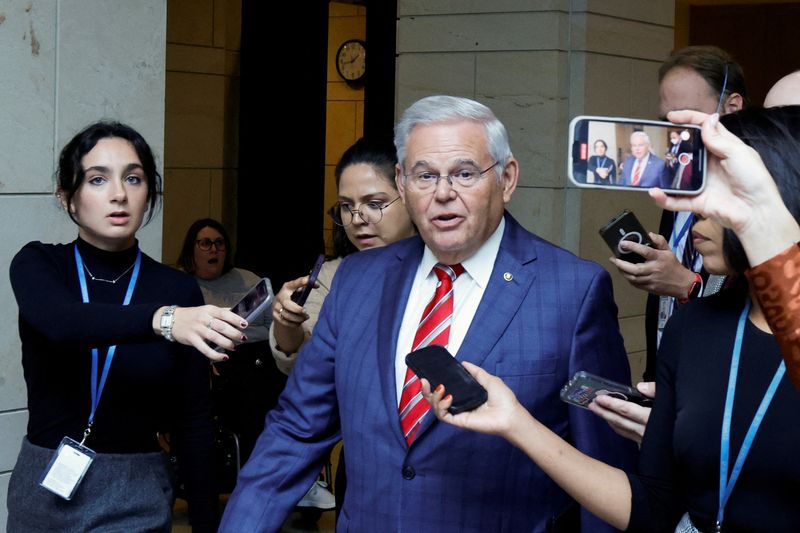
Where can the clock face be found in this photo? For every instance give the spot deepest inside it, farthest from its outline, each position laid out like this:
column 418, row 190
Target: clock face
column 351, row 61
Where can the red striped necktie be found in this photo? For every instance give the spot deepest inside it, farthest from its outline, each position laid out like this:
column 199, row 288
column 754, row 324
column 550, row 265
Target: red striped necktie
column 637, row 172
column 434, row 328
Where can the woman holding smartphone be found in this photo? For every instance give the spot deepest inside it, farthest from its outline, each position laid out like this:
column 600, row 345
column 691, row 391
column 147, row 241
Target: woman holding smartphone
column 370, row 213
column 112, row 349
column 724, row 420
column 602, row 166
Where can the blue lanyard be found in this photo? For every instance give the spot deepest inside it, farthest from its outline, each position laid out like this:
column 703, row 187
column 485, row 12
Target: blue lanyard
column 97, row 390
column 676, row 239
column 603, row 164
column 725, row 484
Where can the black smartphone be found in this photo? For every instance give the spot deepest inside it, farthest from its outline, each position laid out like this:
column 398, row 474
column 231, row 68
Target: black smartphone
column 584, row 387
column 635, row 154
column 438, row 366
column 251, row 305
column 625, row 227
column 301, row 295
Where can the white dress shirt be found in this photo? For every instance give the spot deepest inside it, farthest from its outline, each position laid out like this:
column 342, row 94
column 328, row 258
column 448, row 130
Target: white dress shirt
column 467, row 293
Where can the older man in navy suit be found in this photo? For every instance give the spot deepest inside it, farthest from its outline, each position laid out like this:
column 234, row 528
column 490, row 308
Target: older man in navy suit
column 515, row 304
column 643, row 168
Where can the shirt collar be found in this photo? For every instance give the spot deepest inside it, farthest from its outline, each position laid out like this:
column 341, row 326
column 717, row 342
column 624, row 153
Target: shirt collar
column 479, row 265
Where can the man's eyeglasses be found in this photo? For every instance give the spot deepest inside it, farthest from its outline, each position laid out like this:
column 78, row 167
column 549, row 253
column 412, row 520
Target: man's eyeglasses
column 462, row 179
column 343, row 213
column 206, row 244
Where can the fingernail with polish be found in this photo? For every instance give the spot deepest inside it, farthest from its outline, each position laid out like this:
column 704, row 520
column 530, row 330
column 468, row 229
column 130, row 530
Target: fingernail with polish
column 439, row 389
column 244, row 338
column 225, row 357
column 244, row 324
column 448, row 398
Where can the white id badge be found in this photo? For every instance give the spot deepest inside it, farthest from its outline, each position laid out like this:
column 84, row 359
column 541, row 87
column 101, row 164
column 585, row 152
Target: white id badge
column 67, row 468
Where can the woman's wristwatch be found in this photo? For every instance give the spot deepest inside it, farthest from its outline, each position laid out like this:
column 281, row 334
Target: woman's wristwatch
column 167, row 319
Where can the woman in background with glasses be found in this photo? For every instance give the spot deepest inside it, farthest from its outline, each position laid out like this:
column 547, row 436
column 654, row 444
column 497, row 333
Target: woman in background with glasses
column 248, row 385
column 369, row 214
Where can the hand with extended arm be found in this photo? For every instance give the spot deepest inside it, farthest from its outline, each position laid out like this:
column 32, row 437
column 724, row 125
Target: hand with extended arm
column 197, row 326
column 627, row 419
column 740, row 193
column 600, row 488
column 661, row 273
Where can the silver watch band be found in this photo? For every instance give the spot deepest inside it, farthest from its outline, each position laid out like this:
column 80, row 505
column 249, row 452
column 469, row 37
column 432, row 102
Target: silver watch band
column 166, row 322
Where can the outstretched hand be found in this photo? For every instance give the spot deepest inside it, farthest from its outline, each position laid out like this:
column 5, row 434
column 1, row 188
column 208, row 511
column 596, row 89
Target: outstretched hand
column 197, row 326
column 494, row 417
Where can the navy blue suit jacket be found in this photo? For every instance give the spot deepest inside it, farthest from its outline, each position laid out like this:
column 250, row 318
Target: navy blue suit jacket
column 655, row 173
column 555, row 317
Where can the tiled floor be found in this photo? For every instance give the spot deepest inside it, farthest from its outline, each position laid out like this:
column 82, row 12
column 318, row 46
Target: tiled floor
column 298, row 522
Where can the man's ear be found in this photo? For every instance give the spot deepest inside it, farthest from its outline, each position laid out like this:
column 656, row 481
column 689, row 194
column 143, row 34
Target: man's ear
column 733, row 103
column 510, row 178
column 399, row 180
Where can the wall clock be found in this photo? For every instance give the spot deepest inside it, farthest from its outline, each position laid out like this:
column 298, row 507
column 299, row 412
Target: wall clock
column 351, row 61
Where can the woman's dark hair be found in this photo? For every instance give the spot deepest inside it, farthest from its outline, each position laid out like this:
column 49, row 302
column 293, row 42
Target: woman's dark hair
column 601, row 141
column 71, row 172
column 712, row 64
column 774, row 133
column 186, row 258
column 378, row 154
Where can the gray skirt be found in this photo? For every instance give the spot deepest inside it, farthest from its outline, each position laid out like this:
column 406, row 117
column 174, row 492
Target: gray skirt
column 120, row 493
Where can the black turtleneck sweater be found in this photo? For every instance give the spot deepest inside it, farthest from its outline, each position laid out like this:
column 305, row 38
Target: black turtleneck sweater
column 153, row 385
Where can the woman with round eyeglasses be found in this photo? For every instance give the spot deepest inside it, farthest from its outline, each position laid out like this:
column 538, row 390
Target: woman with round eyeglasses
column 248, row 385
column 369, row 214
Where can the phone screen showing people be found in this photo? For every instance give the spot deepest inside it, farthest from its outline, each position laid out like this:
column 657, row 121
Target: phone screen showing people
column 636, row 154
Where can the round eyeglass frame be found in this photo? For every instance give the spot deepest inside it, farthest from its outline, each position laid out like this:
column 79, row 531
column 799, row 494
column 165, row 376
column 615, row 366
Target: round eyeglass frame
column 335, row 212
column 206, row 244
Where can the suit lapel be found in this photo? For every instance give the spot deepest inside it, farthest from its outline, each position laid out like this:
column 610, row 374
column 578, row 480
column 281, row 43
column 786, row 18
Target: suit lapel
column 513, row 273
column 396, row 288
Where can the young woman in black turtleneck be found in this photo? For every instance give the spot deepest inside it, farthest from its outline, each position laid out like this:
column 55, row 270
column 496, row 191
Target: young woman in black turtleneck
column 71, row 311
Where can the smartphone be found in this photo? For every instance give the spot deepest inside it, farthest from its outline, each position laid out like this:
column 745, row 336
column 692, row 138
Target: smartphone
column 625, row 227
column 251, row 305
column 254, row 302
column 584, row 387
column 636, row 154
column 301, row 295
column 438, row 366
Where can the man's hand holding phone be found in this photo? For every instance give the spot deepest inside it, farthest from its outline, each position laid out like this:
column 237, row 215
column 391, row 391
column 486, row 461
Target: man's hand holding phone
column 660, row 273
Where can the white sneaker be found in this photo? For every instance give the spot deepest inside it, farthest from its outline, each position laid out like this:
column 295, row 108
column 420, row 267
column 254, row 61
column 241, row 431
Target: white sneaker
column 319, row 497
